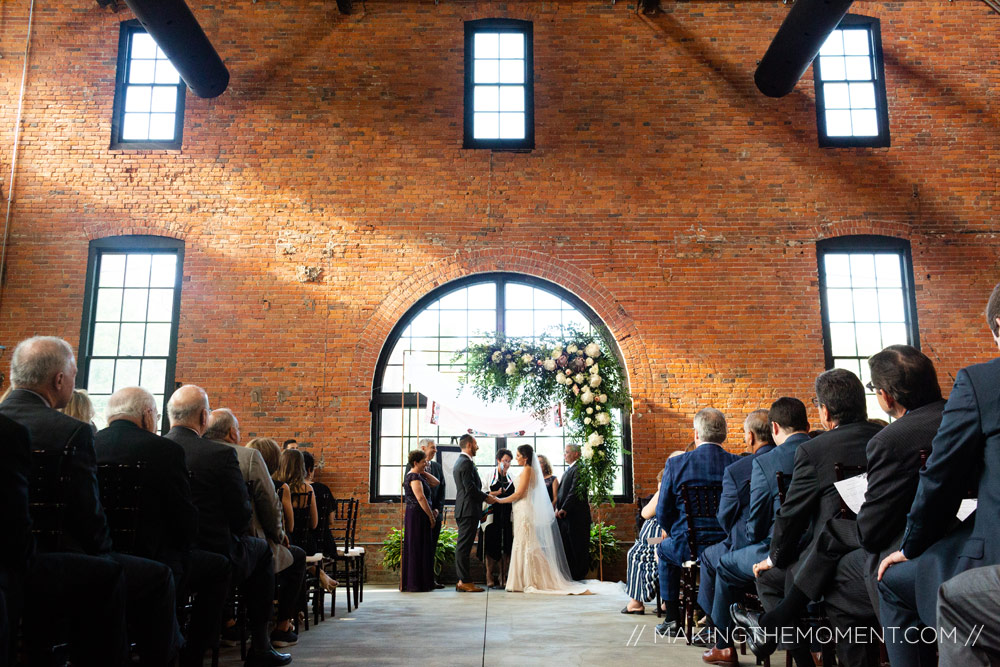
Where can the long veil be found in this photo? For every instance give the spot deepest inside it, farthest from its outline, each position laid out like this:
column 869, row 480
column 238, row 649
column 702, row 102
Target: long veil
column 546, row 526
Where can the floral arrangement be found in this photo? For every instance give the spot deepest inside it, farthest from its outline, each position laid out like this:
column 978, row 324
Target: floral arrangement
column 576, row 371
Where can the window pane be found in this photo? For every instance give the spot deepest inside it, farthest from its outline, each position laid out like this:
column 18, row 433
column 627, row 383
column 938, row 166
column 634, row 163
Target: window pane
column 161, row 126
column 486, row 126
column 392, row 381
column 164, row 99
column 143, row 45
column 154, row 375
column 109, row 305
column 842, row 341
column 511, row 71
column 894, row 333
column 165, row 72
column 164, row 271
column 832, row 68
column 132, row 340
column 112, row 270
column 511, row 45
column 856, row 42
column 105, row 340
column 838, row 123
column 457, row 300
column 547, row 321
column 390, row 481
column 862, row 95
column 127, row 373
column 838, row 270
column 100, row 403
column 487, row 71
column 887, row 270
column 546, row 300
column 840, row 305
column 874, row 409
column 834, row 44
column 482, row 321
column 483, row 296
column 101, row 376
column 487, row 45
column 836, row 96
column 511, row 98
column 161, row 305
column 869, row 339
column 391, row 453
column 158, row 340
column 134, row 308
column 137, row 99
column 859, row 68
column 141, row 71
column 863, row 270
column 487, row 98
column 455, row 324
column 135, row 127
column 864, row 122
column 865, row 305
column 426, row 324
column 520, row 323
column 512, row 126
column 137, row 271
column 851, row 364
column 890, row 305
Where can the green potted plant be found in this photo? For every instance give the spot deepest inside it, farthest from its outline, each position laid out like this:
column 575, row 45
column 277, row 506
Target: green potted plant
column 392, row 549
column 604, row 546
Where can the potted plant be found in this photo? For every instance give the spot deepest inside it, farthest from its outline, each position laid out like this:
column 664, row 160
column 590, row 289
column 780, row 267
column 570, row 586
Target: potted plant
column 392, row 549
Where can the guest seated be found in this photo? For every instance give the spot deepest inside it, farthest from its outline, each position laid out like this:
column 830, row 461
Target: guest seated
column 551, row 481
column 292, row 474
column 640, row 570
column 80, row 407
column 325, row 507
column 418, row 556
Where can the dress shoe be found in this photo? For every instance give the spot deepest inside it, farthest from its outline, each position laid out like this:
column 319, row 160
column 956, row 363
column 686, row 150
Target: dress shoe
column 268, row 658
column 670, row 629
column 640, row 612
column 438, row 586
column 749, row 621
column 468, row 588
column 720, row 656
column 702, row 638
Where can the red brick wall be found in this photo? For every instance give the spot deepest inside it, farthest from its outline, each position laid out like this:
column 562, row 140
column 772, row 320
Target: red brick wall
column 681, row 204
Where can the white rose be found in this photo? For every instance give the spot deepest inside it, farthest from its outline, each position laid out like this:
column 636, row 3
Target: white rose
column 549, row 365
column 593, row 350
column 595, row 440
column 571, row 348
column 586, row 420
column 511, row 368
column 603, row 418
column 526, row 358
column 561, row 377
column 587, row 452
column 496, row 357
column 589, row 361
column 556, row 353
column 595, row 369
column 598, row 408
column 603, row 398
column 586, row 397
column 595, row 381
column 590, row 411
column 579, row 378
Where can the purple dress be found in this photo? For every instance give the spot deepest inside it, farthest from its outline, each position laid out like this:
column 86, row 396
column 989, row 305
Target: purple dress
column 418, row 536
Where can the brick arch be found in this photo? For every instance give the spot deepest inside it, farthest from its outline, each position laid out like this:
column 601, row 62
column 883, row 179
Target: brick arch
column 107, row 229
column 831, row 230
column 529, row 262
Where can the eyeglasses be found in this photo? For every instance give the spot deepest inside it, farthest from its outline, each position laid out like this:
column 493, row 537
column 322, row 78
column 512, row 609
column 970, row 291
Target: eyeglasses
column 815, row 401
column 872, row 388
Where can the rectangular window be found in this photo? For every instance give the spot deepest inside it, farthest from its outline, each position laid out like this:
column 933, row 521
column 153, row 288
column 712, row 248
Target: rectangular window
column 129, row 334
column 149, row 94
column 851, row 107
column 499, row 104
column 867, row 302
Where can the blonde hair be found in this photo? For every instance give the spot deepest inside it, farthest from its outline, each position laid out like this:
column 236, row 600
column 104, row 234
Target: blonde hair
column 269, row 451
column 79, row 406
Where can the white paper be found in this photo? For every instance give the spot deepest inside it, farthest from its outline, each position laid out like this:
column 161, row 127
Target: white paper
column 967, row 507
column 653, row 541
column 852, row 490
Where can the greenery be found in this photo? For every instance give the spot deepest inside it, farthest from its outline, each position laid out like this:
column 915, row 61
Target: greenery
column 392, row 549
column 609, row 549
column 576, row 371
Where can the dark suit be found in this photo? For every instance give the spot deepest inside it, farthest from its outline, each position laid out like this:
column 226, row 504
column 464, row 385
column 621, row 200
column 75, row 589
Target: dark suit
column 168, row 525
column 152, row 622
column 469, row 498
column 575, row 526
column 967, row 446
column 18, row 545
column 705, row 465
column 437, row 499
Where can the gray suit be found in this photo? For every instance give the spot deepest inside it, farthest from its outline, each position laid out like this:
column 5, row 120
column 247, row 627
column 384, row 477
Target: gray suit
column 469, row 498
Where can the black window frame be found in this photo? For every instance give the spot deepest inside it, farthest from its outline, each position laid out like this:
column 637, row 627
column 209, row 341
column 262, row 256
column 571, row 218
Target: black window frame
column 508, row 26
column 139, row 244
column 868, row 244
column 126, row 31
column 380, row 400
column 883, row 138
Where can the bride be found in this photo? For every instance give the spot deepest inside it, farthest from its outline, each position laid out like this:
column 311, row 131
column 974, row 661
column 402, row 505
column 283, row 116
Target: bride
column 537, row 562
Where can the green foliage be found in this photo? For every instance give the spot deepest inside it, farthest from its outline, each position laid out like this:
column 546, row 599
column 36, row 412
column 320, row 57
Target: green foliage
column 609, row 547
column 576, row 371
column 392, row 549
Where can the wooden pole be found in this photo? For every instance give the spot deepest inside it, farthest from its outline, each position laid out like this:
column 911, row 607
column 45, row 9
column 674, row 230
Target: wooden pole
column 402, row 467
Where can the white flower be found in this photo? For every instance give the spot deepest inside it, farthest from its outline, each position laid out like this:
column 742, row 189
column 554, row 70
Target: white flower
column 550, row 365
column 496, row 357
column 586, row 397
column 595, row 381
column 587, row 452
column 595, row 440
column 589, row 361
column 595, row 369
column 571, row 348
column 560, row 377
column 598, row 408
column 590, row 411
column 579, row 378
column 526, row 358
column 556, row 353
column 603, row 398
column 586, row 420
column 603, row 418
column 593, row 350
column 511, row 368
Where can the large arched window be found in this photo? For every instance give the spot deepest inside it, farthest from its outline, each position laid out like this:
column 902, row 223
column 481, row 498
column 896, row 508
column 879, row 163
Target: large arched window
column 447, row 320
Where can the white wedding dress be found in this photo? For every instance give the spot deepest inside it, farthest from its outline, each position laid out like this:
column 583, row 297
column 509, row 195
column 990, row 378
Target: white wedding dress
column 537, row 560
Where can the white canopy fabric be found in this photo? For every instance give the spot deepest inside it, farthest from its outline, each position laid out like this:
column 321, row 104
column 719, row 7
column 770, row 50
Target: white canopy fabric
column 457, row 409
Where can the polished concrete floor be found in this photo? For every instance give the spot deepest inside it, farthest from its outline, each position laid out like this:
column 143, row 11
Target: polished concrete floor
column 495, row 629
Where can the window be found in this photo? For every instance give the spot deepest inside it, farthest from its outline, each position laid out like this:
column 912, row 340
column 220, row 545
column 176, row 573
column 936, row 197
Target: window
column 851, row 108
column 499, row 92
column 129, row 333
column 149, row 94
column 445, row 321
column 867, row 301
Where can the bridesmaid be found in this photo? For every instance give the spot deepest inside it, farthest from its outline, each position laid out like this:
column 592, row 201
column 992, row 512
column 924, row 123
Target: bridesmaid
column 551, row 483
column 418, row 554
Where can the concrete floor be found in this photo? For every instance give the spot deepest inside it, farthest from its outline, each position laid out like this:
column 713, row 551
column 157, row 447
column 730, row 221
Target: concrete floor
column 495, row 628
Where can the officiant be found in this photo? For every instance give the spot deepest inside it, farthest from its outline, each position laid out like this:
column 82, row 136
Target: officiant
column 496, row 535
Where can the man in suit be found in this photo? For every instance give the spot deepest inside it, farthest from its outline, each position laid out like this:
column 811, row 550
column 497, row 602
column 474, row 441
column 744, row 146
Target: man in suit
column 789, row 428
column 220, row 494
column 734, row 504
column 967, row 608
column 168, row 521
column 705, row 465
column 811, row 500
column 966, row 447
column 437, row 493
column 469, row 499
column 266, row 522
column 573, row 513
column 43, row 372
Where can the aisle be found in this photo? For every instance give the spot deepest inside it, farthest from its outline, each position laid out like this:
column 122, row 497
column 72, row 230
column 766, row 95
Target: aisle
column 497, row 629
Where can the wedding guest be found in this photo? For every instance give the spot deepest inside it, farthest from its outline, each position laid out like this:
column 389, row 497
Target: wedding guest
column 417, row 557
column 325, row 506
column 551, row 482
column 291, row 443
column 496, row 538
column 437, row 496
column 641, row 570
column 80, row 407
column 292, row 473
column 573, row 513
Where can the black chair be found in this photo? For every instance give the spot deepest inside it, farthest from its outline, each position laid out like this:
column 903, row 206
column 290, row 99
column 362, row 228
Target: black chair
column 701, row 501
column 120, row 486
column 347, row 563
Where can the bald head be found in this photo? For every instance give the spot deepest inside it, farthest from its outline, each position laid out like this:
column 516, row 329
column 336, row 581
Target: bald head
column 46, row 366
column 189, row 407
column 133, row 404
column 223, row 425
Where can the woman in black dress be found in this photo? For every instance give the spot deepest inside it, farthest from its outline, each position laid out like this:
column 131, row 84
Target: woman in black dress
column 551, row 483
column 418, row 554
column 496, row 539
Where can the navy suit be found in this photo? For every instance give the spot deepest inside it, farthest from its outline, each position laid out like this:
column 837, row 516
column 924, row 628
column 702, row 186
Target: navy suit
column 705, row 465
column 967, row 445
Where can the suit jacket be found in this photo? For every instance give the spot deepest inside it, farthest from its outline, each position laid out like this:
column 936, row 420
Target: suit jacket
column 705, row 465
column 893, row 472
column 18, row 545
column 967, row 446
column 734, row 505
column 812, row 499
column 765, row 498
column 168, row 525
column 568, row 498
column 217, row 488
column 469, row 494
column 51, row 430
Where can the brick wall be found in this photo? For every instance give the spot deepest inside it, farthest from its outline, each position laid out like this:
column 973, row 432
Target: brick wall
column 678, row 202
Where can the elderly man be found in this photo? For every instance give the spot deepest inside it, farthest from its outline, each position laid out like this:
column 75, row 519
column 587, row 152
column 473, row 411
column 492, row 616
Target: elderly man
column 220, row 494
column 43, row 372
column 573, row 511
column 266, row 522
column 168, row 519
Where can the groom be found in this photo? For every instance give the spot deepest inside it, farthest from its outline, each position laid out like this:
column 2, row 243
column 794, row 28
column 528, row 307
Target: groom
column 573, row 512
column 469, row 498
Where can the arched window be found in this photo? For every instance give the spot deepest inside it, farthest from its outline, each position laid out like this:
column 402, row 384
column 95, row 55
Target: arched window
column 447, row 320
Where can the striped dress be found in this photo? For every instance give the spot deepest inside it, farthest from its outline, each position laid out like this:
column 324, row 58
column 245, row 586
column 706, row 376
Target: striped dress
column 641, row 573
